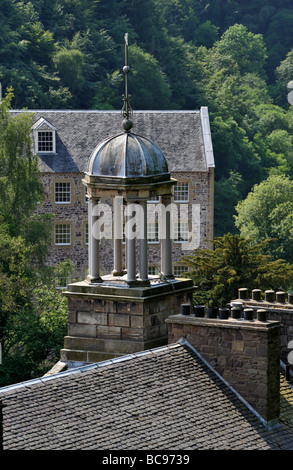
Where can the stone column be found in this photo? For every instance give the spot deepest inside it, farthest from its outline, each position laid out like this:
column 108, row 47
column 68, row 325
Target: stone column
column 130, row 236
column 143, row 242
column 166, row 243
column 94, row 249
column 118, row 236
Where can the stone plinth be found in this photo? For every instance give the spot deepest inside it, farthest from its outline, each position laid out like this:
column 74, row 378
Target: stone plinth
column 245, row 353
column 108, row 320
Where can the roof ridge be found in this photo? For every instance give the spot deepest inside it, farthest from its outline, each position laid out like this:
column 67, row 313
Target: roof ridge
column 96, row 365
column 106, row 111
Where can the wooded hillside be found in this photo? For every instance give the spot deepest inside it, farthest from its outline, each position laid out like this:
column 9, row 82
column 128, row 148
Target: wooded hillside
column 235, row 57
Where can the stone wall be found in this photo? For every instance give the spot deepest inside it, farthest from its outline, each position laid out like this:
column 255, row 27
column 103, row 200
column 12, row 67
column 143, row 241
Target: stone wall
column 245, row 353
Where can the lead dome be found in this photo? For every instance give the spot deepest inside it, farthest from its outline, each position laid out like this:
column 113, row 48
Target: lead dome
column 128, row 155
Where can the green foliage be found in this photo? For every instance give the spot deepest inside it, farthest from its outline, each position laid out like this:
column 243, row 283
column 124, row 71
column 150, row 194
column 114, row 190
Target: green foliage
column 147, row 77
column 69, row 66
column 32, row 310
column 20, row 186
column 233, row 56
column 267, row 212
column 235, row 262
column 248, row 50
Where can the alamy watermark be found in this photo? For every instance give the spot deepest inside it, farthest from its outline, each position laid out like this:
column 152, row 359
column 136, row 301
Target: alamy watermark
column 179, row 222
column 290, row 355
column 290, row 94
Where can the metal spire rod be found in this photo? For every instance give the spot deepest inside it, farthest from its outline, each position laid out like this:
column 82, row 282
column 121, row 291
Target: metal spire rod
column 126, row 67
column 126, row 110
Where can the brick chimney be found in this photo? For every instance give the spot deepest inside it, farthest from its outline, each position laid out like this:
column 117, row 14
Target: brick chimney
column 243, row 350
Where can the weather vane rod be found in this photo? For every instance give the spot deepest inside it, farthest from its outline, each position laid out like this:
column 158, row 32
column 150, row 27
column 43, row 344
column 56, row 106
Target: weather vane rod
column 126, row 110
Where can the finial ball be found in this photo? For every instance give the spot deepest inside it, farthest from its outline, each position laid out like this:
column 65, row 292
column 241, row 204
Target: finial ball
column 127, row 124
column 126, row 69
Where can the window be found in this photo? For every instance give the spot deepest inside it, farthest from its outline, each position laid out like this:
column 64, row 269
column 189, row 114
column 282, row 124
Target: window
column 153, row 232
column 62, row 234
column 45, row 141
column 153, row 270
column 62, row 193
column 154, row 198
column 44, row 136
column 181, row 232
column 181, row 192
column 178, row 270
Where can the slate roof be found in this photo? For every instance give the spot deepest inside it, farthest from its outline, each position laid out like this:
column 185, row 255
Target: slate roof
column 162, row 399
column 183, row 136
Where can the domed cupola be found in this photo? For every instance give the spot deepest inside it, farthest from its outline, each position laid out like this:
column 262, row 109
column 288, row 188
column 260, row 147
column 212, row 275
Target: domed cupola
column 128, row 170
column 128, row 156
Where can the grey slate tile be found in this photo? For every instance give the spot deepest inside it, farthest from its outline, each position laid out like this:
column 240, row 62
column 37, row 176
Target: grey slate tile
column 165, row 401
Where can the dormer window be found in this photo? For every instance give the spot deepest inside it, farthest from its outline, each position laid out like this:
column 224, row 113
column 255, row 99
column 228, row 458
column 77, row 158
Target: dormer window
column 45, row 141
column 44, row 137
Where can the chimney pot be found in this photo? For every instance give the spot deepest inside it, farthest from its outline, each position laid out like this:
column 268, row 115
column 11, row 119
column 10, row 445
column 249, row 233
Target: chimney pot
column 261, row 315
column 280, row 297
column 198, row 310
column 212, row 312
column 223, row 313
column 256, row 294
column 269, row 295
column 236, row 312
column 243, row 293
column 248, row 314
column 185, row 309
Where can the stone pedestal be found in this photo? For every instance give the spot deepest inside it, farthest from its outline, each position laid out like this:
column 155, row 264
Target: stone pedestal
column 113, row 319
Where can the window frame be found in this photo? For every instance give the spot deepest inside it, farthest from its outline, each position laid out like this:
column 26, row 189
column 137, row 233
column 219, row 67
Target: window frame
column 181, row 200
column 180, row 266
column 156, row 231
column 62, row 224
column 67, row 183
column 178, row 229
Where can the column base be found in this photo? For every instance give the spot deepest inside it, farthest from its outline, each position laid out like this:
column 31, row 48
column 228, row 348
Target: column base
column 93, row 280
column 118, row 273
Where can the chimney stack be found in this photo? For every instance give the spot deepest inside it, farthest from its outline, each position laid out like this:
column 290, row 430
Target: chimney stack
column 243, row 349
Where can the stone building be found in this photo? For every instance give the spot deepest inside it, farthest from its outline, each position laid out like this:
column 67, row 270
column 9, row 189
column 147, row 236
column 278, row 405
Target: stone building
column 65, row 140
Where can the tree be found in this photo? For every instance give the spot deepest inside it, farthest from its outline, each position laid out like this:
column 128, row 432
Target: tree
column 228, row 191
column 32, row 310
column 235, row 262
column 20, row 186
column 247, row 49
column 69, row 66
column 33, row 313
column 267, row 212
column 153, row 91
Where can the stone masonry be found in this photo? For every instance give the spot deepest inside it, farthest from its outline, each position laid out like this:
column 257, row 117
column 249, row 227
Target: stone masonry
column 278, row 306
column 245, row 353
column 107, row 322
